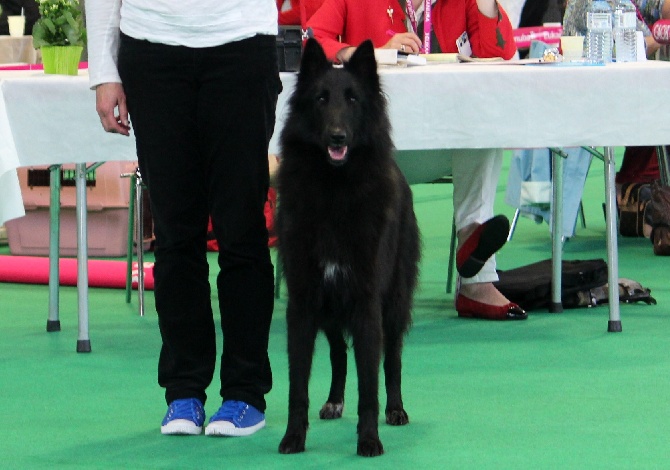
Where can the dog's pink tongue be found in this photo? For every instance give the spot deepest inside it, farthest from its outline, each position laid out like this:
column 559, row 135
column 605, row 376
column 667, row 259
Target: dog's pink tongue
column 337, row 153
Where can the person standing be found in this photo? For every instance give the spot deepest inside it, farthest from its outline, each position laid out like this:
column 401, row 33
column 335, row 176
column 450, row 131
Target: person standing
column 198, row 80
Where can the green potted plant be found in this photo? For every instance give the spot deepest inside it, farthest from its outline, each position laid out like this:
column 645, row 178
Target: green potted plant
column 60, row 35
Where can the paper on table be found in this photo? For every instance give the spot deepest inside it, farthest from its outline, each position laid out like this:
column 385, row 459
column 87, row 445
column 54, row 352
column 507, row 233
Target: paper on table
column 386, row 56
column 441, row 57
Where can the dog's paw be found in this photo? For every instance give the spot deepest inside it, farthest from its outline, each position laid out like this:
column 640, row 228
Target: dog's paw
column 331, row 410
column 370, row 447
column 292, row 443
column 397, row 417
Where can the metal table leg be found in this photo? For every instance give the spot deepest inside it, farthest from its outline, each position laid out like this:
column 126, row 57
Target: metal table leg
column 557, row 156
column 53, row 322
column 614, row 324
column 83, row 341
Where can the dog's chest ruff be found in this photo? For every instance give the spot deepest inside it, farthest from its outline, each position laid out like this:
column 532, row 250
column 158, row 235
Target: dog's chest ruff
column 332, row 272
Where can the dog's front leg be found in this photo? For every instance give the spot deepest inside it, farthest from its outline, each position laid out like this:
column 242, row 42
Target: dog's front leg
column 367, row 339
column 302, row 331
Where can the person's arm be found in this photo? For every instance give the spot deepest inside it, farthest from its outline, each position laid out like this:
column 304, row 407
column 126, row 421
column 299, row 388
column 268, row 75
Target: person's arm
column 102, row 24
column 327, row 25
column 489, row 30
column 102, row 20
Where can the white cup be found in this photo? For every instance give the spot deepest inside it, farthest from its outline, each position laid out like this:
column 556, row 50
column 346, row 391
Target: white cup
column 572, row 47
column 17, row 25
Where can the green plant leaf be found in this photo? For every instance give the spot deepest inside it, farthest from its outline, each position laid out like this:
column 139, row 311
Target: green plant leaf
column 60, row 24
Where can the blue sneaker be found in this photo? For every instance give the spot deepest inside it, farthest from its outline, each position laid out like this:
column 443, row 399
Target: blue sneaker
column 184, row 416
column 235, row 418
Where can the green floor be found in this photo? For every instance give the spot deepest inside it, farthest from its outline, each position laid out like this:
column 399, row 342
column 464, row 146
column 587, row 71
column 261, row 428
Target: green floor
column 555, row 391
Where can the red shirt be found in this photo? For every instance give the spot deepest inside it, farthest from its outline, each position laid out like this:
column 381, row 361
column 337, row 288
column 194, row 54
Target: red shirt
column 342, row 23
column 290, row 16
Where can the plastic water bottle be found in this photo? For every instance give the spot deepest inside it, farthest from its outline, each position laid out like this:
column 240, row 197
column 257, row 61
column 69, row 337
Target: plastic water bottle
column 599, row 32
column 624, row 26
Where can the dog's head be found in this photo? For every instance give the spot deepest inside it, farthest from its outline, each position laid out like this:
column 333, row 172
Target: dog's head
column 339, row 107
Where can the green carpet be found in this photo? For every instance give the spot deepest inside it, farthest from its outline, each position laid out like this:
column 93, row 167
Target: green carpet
column 555, row 391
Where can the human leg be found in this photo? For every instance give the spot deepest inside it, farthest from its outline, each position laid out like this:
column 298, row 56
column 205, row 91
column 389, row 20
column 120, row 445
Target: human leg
column 475, row 174
column 160, row 89
column 236, row 117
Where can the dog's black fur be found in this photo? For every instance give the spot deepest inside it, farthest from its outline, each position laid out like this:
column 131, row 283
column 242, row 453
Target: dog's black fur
column 348, row 240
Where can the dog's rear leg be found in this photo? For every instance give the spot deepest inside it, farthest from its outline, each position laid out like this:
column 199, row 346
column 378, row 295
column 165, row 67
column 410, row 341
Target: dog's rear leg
column 301, row 336
column 367, row 339
column 395, row 412
column 334, row 406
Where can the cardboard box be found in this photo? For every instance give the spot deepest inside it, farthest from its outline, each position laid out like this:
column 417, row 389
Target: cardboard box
column 107, row 197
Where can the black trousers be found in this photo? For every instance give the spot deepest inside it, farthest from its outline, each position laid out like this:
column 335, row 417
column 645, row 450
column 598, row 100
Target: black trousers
column 203, row 119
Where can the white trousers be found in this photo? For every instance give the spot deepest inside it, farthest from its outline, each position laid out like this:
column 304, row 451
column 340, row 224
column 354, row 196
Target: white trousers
column 475, row 176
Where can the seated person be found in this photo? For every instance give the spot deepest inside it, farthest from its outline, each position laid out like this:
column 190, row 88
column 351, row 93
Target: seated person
column 649, row 11
column 289, row 12
column 340, row 25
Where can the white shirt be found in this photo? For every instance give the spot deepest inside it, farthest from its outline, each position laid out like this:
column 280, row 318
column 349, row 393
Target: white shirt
column 191, row 23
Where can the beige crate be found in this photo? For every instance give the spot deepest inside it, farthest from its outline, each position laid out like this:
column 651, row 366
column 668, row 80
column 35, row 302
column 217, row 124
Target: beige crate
column 107, row 213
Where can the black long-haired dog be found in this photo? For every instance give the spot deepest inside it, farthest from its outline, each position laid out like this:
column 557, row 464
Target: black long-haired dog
column 348, row 241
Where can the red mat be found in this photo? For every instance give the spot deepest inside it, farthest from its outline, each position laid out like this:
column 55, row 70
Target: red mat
column 101, row 273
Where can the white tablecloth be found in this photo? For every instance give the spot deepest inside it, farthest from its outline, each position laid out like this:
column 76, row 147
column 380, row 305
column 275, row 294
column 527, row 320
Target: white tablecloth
column 51, row 119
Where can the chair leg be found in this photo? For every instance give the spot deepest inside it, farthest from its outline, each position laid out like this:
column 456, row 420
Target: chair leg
column 517, row 213
column 139, row 243
column 131, row 235
column 663, row 164
column 452, row 257
column 135, row 238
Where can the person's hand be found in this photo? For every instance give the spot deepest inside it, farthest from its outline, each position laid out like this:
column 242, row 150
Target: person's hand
column 108, row 98
column 404, row 42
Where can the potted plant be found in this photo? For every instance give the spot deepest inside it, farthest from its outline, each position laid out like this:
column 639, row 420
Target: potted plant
column 60, row 35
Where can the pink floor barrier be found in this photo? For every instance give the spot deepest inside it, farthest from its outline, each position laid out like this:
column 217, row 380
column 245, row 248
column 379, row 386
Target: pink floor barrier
column 101, row 273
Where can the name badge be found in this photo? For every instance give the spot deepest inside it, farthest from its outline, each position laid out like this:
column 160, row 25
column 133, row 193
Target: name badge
column 463, row 44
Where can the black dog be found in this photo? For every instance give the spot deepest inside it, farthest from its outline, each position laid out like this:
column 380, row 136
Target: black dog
column 348, row 240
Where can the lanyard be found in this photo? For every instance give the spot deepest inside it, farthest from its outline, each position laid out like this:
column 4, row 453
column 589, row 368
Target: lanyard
column 427, row 24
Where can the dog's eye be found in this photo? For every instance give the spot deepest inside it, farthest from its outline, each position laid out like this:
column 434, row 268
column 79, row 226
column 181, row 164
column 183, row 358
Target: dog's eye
column 351, row 96
column 322, row 98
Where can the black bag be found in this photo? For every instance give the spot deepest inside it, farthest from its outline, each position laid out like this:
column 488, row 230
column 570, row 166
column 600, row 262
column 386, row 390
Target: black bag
column 658, row 216
column 632, row 204
column 530, row 286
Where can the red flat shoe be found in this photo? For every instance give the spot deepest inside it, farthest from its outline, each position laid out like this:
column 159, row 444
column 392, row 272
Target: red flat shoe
column 468, row 308
column 488, row 238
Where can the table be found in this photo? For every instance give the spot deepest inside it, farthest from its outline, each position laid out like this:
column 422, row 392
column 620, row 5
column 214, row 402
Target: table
column 17, row 50
column 451, row 106
column 51, row 120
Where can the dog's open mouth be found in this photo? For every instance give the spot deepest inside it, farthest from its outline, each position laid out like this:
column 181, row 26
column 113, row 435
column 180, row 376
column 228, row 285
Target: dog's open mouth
column 337, row 154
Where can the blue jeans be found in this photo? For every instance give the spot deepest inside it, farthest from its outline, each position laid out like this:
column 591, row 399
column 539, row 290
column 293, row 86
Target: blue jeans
column 203, row 119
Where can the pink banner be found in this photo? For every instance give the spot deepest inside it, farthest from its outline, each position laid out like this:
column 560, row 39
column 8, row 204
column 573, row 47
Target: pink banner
column 82, row 66
column 549, row 34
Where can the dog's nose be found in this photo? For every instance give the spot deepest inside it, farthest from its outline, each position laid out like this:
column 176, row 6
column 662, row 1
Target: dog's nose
column 338, row 139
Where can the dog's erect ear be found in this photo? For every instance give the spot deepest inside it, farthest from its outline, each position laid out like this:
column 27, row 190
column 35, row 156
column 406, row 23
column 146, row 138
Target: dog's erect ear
column 314, row 60
column 362, row 62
